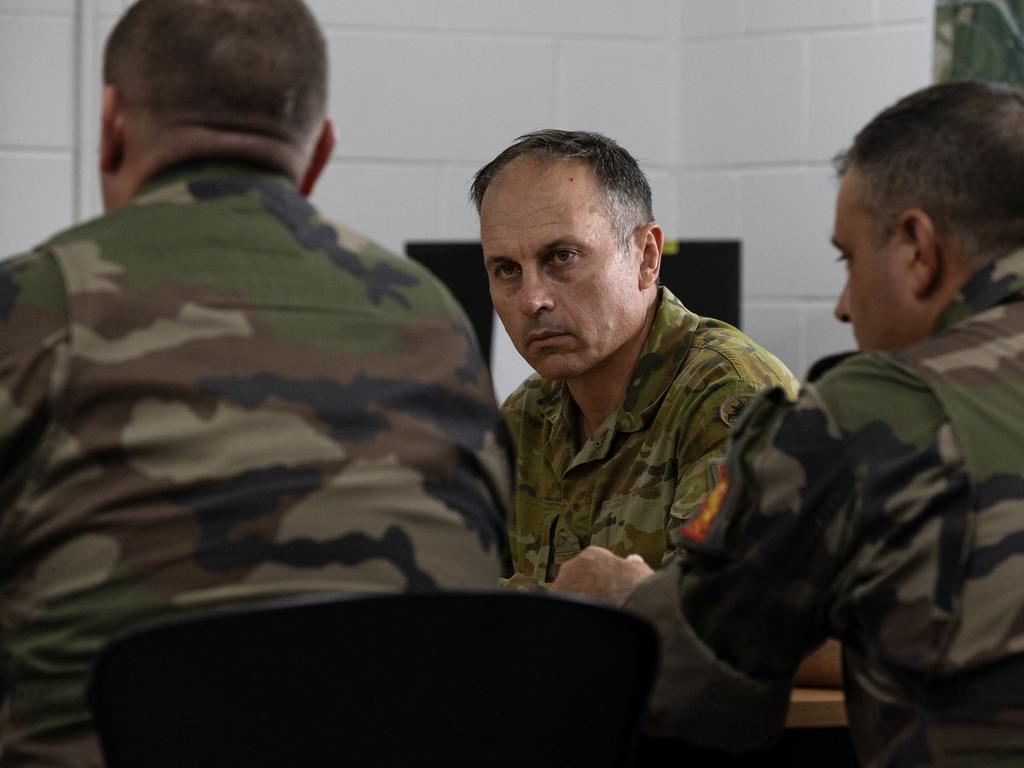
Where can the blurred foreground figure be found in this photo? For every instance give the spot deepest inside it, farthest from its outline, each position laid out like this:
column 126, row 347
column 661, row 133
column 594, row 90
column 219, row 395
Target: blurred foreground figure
column 209, row 394
column 886, row 506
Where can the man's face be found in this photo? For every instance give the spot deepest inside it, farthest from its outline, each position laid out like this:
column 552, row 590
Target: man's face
column 877, row 298
column 567, row 294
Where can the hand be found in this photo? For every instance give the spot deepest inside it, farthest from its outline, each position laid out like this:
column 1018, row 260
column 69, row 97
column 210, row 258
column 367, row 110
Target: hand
column 596, row 572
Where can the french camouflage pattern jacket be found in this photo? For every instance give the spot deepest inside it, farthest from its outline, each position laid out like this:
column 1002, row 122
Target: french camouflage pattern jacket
column 885, row 508
column 212, row 395
column 648, row 467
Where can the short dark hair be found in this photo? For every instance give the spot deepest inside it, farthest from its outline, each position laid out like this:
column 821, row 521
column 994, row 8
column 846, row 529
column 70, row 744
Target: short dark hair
column 255, row 66
column 618, row 174
column 956, row 151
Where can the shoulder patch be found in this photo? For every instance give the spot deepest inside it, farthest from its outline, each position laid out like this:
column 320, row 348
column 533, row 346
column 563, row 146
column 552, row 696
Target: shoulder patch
column 698, row 527
column 732, row 408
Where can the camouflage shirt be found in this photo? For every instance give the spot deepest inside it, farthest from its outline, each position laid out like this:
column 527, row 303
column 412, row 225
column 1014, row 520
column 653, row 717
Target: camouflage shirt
column 885, row 508
column 211, row 395
column 649, row 465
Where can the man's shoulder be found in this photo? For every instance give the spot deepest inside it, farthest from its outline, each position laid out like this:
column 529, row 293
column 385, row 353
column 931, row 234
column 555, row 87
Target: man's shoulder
column 870, row 371
column 870, row 398
column 876, row 388
column 31, row 279
column 718, row 345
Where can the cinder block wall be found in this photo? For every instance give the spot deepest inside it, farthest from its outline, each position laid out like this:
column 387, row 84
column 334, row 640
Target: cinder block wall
column 733, row 106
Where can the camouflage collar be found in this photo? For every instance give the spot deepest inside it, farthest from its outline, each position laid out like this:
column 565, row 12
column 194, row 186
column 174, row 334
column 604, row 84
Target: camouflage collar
column 994, row 284
column 210, row 167
column 663, row 355
column 667, row 346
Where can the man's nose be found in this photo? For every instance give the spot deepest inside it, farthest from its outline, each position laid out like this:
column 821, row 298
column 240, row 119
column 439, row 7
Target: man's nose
column 842, row 310
column 534, row 295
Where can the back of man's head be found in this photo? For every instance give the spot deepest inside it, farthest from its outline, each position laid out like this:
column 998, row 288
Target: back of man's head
column 956, row 151
column 246, row 66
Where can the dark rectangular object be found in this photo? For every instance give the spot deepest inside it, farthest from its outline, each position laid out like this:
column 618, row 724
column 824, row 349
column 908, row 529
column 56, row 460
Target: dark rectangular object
column 704, row 274
column 460, row 266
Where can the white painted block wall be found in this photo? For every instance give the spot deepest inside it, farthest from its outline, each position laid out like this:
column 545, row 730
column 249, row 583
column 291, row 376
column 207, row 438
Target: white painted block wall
column 734, row 108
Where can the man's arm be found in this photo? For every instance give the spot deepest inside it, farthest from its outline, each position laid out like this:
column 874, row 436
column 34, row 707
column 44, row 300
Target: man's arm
column 525, row 431
column 33, row 326
column 711, row 418
column 748, row 600
column 719, row 413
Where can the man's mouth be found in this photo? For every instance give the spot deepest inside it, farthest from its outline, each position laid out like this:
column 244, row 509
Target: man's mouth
column 542, row 338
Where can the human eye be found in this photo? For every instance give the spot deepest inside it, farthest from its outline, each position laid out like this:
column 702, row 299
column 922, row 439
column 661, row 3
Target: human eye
column 504, row 270
column 563, row 256
column 844, row 259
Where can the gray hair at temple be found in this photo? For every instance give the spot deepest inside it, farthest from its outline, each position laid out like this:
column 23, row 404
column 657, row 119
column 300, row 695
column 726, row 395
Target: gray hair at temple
column 618, row 174
column 252, row 66
column 956, row 151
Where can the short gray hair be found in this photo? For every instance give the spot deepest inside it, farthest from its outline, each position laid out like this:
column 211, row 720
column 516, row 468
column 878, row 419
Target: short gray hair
column 618, row 174
column 956, row 151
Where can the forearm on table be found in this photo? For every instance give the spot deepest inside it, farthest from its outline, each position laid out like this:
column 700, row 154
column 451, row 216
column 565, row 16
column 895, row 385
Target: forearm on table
column 696, row 695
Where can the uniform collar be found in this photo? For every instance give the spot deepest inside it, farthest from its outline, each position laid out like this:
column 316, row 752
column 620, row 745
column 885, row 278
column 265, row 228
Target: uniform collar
column 660, row 359
column 210, row 167
column 662, row 356
column 994, row 284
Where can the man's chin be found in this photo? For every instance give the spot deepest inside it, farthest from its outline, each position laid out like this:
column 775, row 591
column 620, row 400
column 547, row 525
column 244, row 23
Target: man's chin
column 557, row 367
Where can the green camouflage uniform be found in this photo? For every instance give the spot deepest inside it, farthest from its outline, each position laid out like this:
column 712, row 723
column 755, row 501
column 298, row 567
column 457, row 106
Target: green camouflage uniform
column 885, row 508
column 648, row 466
column 211, row 395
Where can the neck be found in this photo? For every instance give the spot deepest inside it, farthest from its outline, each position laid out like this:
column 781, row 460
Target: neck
column 178, row 143
column 185, row 142
column 599, row 391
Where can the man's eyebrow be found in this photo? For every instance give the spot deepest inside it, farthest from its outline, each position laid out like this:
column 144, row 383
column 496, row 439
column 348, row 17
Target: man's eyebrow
column 562, row 242
column 836, row 243
column 552, row 245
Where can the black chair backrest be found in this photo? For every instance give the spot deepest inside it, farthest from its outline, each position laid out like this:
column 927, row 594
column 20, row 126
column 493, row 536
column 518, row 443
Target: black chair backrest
column 452, row 679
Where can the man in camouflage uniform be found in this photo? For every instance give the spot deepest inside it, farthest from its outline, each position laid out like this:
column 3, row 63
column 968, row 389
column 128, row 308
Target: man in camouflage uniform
column 210, row 395
column 886, row 506
column 619, row 431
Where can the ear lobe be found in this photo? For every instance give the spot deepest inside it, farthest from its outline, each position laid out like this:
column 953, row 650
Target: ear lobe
column 321, row 154
column 112, row 134
column 917, row 231
column 650, row 257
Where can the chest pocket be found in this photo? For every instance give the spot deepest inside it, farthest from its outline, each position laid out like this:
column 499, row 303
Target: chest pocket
column 635, row 525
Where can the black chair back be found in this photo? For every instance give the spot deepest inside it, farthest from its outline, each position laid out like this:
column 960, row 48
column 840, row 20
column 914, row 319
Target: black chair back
column 484, row 679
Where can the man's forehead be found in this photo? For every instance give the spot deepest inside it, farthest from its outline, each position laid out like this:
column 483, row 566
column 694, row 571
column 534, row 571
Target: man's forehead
column 853, row 188
column 852, row 198
column 544, row 181
column 538, row 228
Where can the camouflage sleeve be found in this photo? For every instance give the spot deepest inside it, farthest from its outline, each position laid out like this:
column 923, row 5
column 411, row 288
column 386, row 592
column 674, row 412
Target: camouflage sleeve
column 33, row 331
column 749, row 598
column 702, row 449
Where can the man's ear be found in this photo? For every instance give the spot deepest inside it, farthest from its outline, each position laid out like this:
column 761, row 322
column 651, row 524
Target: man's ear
column 917, row 234
column 112, row 133
column 321, row 154
column 653, row 239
